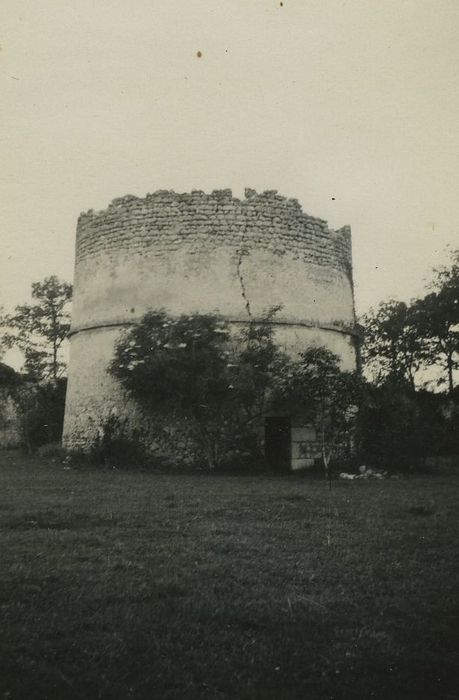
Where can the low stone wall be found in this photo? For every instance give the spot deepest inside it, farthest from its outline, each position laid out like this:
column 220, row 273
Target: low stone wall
column 10, row 429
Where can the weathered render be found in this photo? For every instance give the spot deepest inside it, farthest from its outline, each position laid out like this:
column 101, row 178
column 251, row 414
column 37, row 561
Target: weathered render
column 200, row 252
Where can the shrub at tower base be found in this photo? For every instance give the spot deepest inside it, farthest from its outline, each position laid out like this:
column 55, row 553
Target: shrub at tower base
column 329, row 399
column 196, row 371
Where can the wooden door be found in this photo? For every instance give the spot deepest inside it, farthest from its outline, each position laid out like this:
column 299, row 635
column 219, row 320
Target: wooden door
column 278, row 443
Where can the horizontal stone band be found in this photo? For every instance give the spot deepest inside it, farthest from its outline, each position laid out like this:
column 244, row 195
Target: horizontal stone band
column 354, row 331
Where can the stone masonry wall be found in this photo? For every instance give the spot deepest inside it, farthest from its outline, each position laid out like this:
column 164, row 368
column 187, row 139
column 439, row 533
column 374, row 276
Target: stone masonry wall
column 198, row 252
column 167, row 220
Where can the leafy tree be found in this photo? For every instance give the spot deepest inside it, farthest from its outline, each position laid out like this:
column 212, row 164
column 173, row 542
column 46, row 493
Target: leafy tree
column 191, row 367
column 447, row 276
column 398, row 428
column 9, row 378
column 328, row 397
column 39, row 406
column 41, row 411
column 393, row 348
column 388, row 426
column 401, row 339
column 2, row 339
column 39, row 329
column 437, row 320
column 261, row 374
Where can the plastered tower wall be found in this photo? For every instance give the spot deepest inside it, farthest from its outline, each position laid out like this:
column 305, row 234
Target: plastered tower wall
column 200, row 252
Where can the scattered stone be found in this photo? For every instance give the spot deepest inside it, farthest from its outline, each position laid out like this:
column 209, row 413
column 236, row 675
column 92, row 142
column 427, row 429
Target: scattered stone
column 365, row 473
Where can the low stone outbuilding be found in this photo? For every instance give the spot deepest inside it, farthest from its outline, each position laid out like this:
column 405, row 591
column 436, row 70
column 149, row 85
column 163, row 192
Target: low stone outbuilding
column 10, row 428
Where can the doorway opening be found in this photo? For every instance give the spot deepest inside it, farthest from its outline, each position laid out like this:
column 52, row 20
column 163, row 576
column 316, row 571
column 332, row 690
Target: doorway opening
column 278, row 443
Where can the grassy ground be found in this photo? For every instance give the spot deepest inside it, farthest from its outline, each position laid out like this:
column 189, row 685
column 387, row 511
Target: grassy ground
column 130, row 585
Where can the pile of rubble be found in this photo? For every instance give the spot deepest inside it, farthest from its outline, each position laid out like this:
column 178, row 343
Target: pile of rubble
column 365, row 473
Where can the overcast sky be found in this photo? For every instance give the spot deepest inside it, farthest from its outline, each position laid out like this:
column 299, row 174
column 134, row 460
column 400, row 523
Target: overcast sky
column 350, row 106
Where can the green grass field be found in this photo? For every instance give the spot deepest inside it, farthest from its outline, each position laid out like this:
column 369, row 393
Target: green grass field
column 134, row 585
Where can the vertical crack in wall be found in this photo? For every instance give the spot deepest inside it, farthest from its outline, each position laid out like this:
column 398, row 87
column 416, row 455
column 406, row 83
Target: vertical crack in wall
column 241, row 282
column 241, row 252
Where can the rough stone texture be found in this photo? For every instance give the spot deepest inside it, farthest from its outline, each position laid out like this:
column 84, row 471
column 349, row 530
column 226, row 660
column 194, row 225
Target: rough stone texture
column 200, row 252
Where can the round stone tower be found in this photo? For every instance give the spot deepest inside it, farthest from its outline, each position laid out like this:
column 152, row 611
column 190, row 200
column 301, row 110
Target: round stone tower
column 207, row 253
